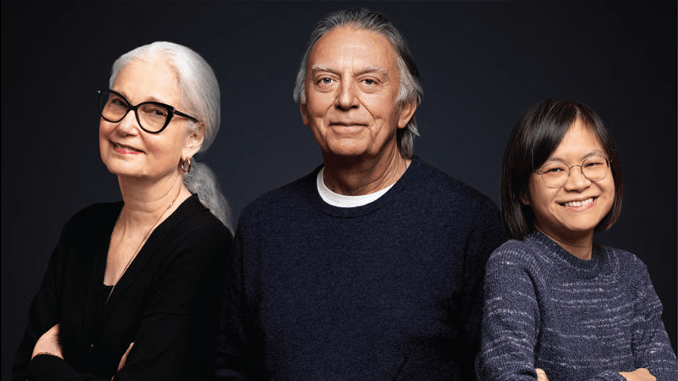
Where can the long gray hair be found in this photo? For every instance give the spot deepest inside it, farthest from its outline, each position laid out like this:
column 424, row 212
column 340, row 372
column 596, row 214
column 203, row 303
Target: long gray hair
column 410, row 87
column 199, row 91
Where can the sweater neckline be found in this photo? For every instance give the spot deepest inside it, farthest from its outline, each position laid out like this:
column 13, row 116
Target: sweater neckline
column 188, row 207
column 581, row 267
column 403, row 182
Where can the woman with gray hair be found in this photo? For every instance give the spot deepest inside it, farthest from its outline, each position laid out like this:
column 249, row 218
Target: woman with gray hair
column 133, row 288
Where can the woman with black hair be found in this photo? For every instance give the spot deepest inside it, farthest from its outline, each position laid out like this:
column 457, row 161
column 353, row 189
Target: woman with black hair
column 557, row 306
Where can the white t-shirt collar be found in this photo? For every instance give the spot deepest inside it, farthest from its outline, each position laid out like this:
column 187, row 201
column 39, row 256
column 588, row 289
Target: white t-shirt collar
column 343, row 201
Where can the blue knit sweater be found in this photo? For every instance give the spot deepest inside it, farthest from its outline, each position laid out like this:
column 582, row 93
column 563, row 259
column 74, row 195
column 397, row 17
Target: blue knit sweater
column 390, row 290
column 576, row 319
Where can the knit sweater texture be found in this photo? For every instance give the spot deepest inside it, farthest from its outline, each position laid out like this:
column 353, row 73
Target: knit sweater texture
column 386, row 291
column 575, row 319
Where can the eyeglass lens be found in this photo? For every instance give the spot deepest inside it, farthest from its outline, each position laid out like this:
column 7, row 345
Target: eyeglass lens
column 556, row 174
column 151, row 117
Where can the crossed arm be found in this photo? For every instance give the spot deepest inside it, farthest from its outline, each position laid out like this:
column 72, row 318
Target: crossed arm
column 511, row 329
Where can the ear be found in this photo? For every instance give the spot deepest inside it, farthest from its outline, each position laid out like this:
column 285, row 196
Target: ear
column 525, row 199
column 406, row 113
column 194, row 140
column 303, row 108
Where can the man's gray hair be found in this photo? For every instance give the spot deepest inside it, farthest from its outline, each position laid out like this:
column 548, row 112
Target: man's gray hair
column 199, row 94
column 410, row 86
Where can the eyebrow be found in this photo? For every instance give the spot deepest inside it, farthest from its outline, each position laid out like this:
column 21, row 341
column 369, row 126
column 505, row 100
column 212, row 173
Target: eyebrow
column 151, row 98
column 319, row 67
column 370, row 69
column 155, row 99
column 373, row 69
column 589, row 154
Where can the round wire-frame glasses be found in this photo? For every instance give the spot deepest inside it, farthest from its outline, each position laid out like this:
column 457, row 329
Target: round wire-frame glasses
column 152, row 117
column 555, row 174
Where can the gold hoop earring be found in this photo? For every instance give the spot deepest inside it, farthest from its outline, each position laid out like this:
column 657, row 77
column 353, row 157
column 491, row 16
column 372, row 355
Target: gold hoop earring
column 183, row 165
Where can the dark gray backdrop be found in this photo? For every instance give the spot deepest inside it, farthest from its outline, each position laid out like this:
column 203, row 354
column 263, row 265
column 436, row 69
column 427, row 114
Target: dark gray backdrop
column 482, row 65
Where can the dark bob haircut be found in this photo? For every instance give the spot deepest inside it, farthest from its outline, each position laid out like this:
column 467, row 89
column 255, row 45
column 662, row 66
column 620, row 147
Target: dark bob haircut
column 534, row 138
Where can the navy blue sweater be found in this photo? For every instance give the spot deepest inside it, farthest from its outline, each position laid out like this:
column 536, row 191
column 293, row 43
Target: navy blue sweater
column 389, row 290
column 576, row 319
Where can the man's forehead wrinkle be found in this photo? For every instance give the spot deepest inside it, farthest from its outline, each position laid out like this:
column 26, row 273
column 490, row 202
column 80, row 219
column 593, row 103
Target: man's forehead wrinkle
column 366, row 69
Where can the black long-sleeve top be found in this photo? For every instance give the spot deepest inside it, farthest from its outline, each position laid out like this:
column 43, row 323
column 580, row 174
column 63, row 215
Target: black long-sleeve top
column 166, row 303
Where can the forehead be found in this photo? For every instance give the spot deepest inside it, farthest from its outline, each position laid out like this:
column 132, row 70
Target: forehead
column 146, row 80
column 580, row 139
column 351, row 47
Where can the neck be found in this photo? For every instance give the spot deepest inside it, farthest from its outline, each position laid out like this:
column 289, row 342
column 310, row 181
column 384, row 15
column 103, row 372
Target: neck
column 145, row 202
column 360, row 177
column 579, row 245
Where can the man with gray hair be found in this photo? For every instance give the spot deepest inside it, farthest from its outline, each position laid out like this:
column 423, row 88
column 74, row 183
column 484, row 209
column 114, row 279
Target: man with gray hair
column 371, row 267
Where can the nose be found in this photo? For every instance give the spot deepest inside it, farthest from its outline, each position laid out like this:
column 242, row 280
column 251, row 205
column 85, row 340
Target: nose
column 129, row 125
column 347, row 99
column 576, row 181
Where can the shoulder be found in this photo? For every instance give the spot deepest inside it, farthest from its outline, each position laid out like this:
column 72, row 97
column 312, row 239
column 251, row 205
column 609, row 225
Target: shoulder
column 513, row 253
column 85, row 232
column 281, row 201
column 631, row 273
column 626, row 267
column 515, row 265
column 98, row 211
column 434, row 179
column 95, row 217
column 195, row 223
column 195, row 216
column 443, row 186
column 192, row 237
column 626, row 260
column 450, row 195
column 520, row 259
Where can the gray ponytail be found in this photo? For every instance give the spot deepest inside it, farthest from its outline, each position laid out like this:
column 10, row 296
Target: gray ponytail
column 201, row 180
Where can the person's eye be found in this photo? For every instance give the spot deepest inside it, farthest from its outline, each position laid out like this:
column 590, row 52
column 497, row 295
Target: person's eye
column 154, row 111
column 594, row 163
column 325, row 81
column 369, row 82
column 118, row 102
column 553, row 169
column 159, row 111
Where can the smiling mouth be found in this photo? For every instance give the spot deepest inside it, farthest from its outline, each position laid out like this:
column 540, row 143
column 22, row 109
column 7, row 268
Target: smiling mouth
column 577, row 204
column 348, row 125
column 121, row 148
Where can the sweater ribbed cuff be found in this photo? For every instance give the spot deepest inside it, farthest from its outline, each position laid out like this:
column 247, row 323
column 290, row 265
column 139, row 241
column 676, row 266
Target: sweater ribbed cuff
column 608, row 375
column 45, row 367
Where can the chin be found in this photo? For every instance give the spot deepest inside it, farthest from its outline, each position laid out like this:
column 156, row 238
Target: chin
column 586, row 225
column 348, row 152
column 122, row 173
column 120, row 169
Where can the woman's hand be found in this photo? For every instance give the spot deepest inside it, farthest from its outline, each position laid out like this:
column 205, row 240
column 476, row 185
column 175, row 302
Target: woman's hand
column 123, row 360
column 541, row 375
column 640, row 374
column 49, row 343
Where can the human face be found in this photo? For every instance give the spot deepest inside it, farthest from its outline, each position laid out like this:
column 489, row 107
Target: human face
column 352, row 84
column 125, row 148
column 573, row 210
